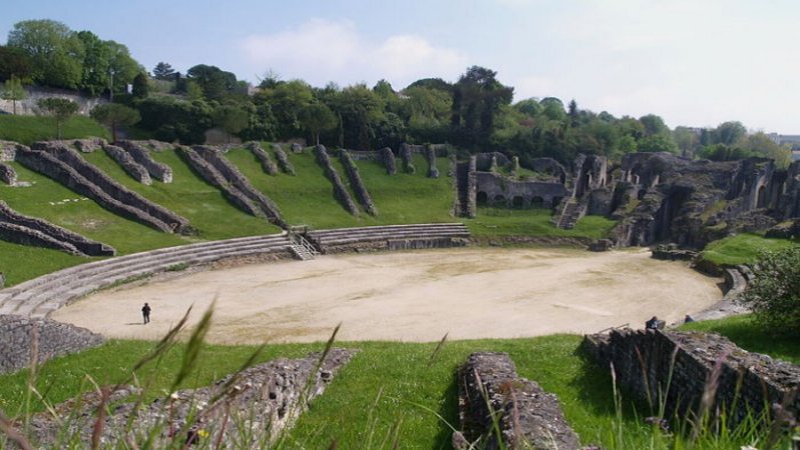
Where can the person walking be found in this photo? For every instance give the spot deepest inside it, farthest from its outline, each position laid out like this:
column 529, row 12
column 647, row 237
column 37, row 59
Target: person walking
column 146, row 313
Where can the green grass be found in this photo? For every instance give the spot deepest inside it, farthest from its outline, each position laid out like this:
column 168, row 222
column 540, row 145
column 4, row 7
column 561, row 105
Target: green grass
column 204, row 205
column 386, row 384
column 747, row 334
column 23, row 262
column 404, row 390
column 533, row 222
column 29, row 129
column 307, row 198
column 741, row 248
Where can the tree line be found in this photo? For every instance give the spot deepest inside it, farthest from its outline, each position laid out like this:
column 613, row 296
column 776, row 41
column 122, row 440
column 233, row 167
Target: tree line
column 474, row 113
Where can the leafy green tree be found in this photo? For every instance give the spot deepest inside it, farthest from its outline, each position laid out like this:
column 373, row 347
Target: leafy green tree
column 171, row 119
column 60, row 109
column 359, row 110
column 653, row 125
column 729, row 133
column 141, row 88
column 553, row 108
column 215, row 82
column 477, row 100
column 122, row 66
column 163, row 71
column 530, row 107
column 287, row 99
column 14, row 62
column 657, row 143
column 687, row 140
column 232, row 118
column 115, row 115
column 55, row 51
column 774, row 292
column 760, row 144
column 317, row 117
column 96, row 63
column 13, row 90
column 426, row 111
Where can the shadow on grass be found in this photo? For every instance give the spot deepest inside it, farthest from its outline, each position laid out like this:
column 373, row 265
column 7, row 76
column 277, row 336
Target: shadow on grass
column 448, row 414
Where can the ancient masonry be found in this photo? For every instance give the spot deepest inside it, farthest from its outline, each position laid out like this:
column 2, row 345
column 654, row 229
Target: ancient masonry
column 357, row 184
column 41, row 296
column 386, row 156
column 267, row 164
column 527, row 417
column 283, row 160
column 209, row 163
column 430, row 156
column 128, row 164
column 390, row 237
column 8, row 175
column 66, row 166
column 682, row 367
column 141, row 155
column 47, row 338
column 340, row 193
column 15, row 227
column 406, row 151
column 244, row 410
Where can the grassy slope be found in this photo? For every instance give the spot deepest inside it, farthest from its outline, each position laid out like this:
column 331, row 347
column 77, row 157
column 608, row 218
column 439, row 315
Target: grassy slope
column 188, row 195
column 747, row 334
column 741, row 248
column 387, row 384
column 28, row 129
column 308, row 197
column 533, row 222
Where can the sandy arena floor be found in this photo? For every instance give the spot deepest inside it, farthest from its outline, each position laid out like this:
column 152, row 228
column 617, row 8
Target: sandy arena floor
column 410, row 296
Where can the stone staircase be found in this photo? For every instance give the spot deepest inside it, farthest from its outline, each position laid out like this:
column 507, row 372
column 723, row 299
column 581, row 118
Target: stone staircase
column 301, row 248
column 569, row 212
column 40, row 296
column 390, row 237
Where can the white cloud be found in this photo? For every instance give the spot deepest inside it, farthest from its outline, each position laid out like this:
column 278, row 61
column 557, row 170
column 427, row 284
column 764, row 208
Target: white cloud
column 320, row 51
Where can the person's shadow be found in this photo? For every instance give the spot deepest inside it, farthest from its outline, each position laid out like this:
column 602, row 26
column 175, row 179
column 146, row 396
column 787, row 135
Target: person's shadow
column 134, row 323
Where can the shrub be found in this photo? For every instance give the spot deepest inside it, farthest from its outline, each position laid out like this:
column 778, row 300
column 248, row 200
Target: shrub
column 774, row 292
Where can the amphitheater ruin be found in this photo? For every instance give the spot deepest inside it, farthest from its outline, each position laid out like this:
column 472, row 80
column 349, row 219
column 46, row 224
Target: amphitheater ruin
column 277, row 287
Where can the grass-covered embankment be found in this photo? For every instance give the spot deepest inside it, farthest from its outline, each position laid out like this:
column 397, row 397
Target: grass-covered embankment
column 741, row 248
column 533, row 222
column 29, row 129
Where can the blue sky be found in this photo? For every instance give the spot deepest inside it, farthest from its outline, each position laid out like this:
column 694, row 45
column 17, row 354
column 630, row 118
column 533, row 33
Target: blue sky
column 693, row 62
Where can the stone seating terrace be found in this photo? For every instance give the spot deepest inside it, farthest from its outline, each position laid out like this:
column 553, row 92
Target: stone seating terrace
column 380, row 237
column 40, row 296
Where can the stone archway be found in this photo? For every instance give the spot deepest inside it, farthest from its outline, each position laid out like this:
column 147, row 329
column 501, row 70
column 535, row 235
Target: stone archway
column 537, row 202
column 761, row 199
column 499, row 200
column 518, row 202
column 482, row 198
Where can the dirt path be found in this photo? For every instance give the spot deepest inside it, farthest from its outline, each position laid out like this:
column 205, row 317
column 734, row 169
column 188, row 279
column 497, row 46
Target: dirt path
column 411, row 296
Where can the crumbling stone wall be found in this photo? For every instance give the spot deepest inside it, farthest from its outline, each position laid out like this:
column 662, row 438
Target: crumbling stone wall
column 88, row 145
column 682, row 367
column 590, row 173
column 339, row 190
column 8, row 175
column 8, row 150
column 527, row 416
column 357, row 183
column 20, row 335
column 283, row 160
column 211, row 166
column 485, row 161
column 141, row 155
column 267, row 164
column 128, row 164
column 549, row 166
column 498, row 190
column 430, row 155
column 244, row 410
column 68, row 168
column 32, row 231
column 388, row 160
column 406, row 153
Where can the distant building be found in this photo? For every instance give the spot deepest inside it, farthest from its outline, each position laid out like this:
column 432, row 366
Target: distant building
column 792, row 140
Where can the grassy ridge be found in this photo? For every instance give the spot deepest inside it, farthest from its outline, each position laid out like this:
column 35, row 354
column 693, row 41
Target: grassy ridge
column 29, row 129
column 741, row 248
column 533, row 222
column 390, row 391
column 387, row 385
